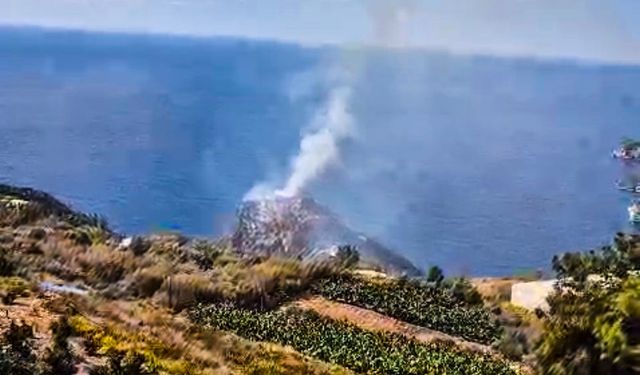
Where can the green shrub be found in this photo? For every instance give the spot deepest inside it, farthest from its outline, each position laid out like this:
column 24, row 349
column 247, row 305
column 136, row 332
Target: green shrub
column 19, row 205
column 345, row 344
column 16, row 350
column 347, row 256
column 139, row 245
column 592, row 326
column 7, row 265
column 12, row 288
column 463, row 290
column 435, row 275
column 414, row 302
column 616, row 260
column 205, row 253
column 125, row 363
column 513, row 344
column 90, row 235
column 593, row 330
column 59, row 359
column 90, row 220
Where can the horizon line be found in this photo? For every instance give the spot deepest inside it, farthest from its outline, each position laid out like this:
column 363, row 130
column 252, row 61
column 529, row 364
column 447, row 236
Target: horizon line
column 538, row 58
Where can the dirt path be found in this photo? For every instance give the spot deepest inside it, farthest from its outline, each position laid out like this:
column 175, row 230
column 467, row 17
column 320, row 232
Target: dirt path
column 374, row 321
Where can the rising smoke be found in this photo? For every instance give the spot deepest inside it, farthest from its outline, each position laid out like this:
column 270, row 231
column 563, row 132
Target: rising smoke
column 319, row 147
column 333, row 123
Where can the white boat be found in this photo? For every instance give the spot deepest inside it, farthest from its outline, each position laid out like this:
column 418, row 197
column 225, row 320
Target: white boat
column 629, row 150
column 634, row 212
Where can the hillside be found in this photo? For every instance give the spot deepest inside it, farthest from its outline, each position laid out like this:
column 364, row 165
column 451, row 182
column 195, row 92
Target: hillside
column 79, row 298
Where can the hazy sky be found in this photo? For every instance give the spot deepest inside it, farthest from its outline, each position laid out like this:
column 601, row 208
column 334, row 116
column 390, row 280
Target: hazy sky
column 584, row 29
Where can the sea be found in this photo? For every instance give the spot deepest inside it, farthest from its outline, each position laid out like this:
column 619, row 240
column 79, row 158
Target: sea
column 481, row 165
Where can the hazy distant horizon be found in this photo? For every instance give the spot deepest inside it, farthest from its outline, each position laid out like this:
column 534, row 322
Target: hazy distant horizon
column 586, row 30
column 28, row 28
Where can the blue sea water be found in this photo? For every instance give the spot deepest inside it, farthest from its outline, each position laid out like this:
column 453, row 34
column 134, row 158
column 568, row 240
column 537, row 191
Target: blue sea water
column 481, row 165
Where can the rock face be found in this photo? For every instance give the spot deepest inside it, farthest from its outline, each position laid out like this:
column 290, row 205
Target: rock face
column 300, row 227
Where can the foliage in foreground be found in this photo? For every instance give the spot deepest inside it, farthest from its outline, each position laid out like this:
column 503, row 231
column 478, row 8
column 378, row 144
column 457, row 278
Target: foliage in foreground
column 59, row 359
column 414, row 302
column 18, row 354
column 593, row 326
column 617, row 260
column 346, row 344
column 593, row 331
column 16, row 350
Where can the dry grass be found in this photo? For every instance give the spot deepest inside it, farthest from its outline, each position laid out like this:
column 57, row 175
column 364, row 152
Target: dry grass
column 173, row 343
column 147, row 281
column 258, row 284
column 105, row 264
column 167, row 340
column 495, row 289
column 165, row 267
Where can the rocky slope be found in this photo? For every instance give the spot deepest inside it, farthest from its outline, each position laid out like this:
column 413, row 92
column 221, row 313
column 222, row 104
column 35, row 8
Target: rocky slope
column 301, row 227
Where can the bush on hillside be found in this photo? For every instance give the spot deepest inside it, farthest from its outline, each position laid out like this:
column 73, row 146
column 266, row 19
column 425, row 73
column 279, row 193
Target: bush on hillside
column 7, row 265
column 12, row 288
column 59, row 359
column 125, row 363
column 463, row 290
column 593, row 324
column 17, row 356
column 205, row 253
column 514, row 344
column 347, row 256
column 435, row 275
column 615, row 260
column 593, row 330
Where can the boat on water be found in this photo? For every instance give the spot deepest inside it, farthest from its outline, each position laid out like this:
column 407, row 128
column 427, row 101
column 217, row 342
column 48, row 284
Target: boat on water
column 629, row 188
column 626, row 154
column 634, row 212
column 629, row 150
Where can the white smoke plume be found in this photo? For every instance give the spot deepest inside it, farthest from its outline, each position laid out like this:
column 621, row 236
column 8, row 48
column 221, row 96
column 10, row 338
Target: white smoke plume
column 319, row 147
column 333, row 123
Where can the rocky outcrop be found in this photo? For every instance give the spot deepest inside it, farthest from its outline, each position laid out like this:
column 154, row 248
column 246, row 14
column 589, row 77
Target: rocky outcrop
column 300, row 227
